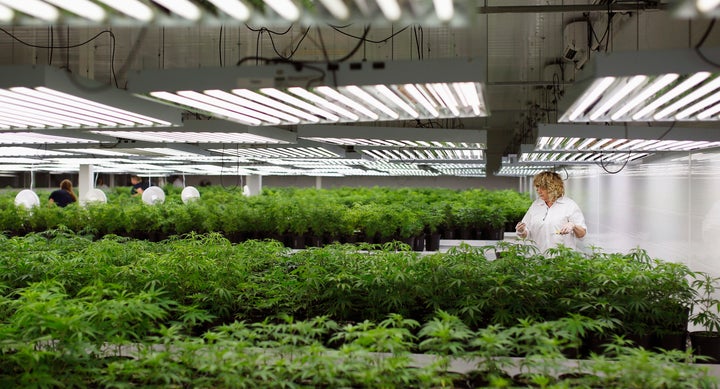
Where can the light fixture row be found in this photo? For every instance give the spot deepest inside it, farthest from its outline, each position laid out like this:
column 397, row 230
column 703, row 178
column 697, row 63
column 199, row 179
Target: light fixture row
column 608, row 139
column 567, row 144
column 39, row 97
column 648, row 86
column 177, row 12
column 305, row 93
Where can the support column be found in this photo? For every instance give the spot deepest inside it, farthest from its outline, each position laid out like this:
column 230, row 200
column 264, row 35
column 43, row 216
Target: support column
column 254, row 184
column 86, row 181
column 318, row 182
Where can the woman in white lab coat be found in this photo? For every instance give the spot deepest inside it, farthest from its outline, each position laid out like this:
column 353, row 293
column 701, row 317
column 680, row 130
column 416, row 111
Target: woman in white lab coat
column 552, row 219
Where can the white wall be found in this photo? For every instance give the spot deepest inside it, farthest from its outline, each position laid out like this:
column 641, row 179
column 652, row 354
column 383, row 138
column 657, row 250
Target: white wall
column 669, row 206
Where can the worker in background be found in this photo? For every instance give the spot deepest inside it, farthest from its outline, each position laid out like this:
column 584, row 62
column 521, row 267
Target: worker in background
column 552, row 219
column 138, row 185
column 63, row 196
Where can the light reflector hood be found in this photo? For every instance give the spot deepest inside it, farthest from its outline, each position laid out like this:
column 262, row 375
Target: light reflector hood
column 38, row 97
column 646, row 86
column 312, row 93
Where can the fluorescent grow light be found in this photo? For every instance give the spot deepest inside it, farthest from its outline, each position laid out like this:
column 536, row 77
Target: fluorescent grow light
column 38, row 97
column 394, row 136
column 294, row 94
column 608, row 139
column 228, row 12
column 647, row 86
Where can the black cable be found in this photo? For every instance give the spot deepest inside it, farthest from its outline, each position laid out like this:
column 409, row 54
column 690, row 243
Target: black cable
column 67, row 51
column 269, row 31
column 338, row 29
column 417, row 43
column 667, row 131
column 357, row 47
column 292, row 52
column 72, row 46
column 131, row 55
column 604, row 167
column 702, row 41
column 257, row 47
column 220, row 39
column 322, row 45
column 50, row 51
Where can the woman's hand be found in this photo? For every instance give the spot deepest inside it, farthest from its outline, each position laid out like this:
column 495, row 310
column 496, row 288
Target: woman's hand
column 521, row 229
column 567, row 228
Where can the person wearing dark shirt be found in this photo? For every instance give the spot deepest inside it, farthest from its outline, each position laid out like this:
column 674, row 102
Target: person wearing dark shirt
column 63, row 196
column 138, row 186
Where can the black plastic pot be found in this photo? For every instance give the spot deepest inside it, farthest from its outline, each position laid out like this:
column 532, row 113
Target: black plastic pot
column 707, row 344
column 671, row 341
column 432, row 241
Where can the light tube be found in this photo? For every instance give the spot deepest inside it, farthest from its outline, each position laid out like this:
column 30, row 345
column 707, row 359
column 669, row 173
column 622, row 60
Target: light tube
column 228, row 106
column 84, row 8
column 658, row 84
column 332, row 93
column 337, row 8
column 555, row 143
column 28, row 118
column 33, row 96
column 210, row 108
column 299, row 103
column 10, row 105
column 420, row 98
column 182, row 8
column 248, row 94
column 14, row 119
column 646, row 144
column 102, row 108
column 34, row 8
column 390, row 8
column 702, row 104
column 252, row 105
column 444, row 9
column 432, row 98
column 674, row 92
column 6, row 14
column 706, row 6
column 584, row 144
column 709, row 112
column 629, row 144
column 59, row 113
column 319, row 100
column 446, row 96
column 133, row 8
column 614, row 143
column 595, row 90
column 385, row 91
column 617, row 95
column 359, row 92
column 470, row 93
column 600, row 143
column 570, row 144
column 237, row 9
column 687, row 99
column 542, row 142
column 285, row 8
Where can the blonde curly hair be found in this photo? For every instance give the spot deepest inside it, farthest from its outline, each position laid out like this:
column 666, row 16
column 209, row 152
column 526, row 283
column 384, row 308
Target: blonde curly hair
column 552, row 182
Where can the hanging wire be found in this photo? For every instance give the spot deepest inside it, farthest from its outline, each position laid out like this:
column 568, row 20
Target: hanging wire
column 220, row 51
column 364, row 39
column 115, row 75
column 702, row 41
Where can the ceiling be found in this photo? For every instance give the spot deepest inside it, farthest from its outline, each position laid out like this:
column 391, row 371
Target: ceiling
column 522, row 44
